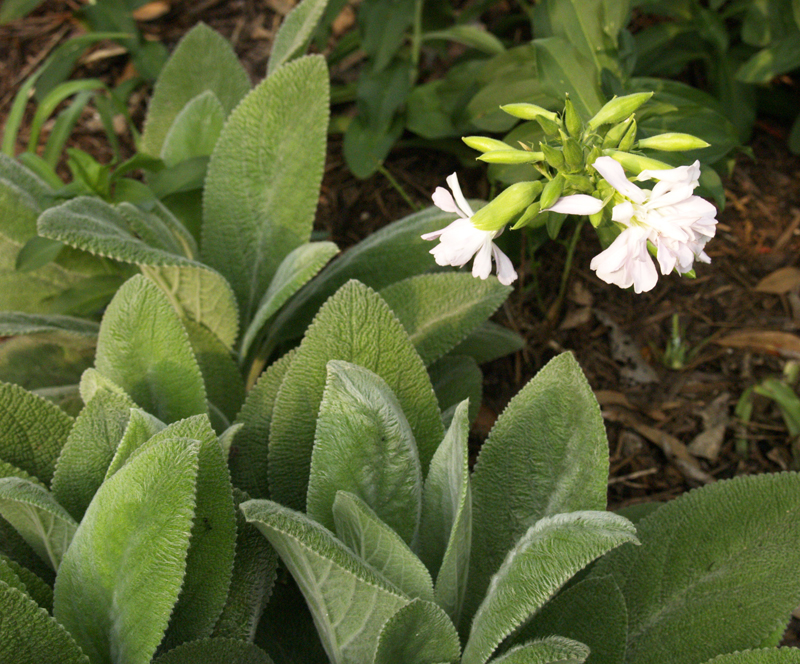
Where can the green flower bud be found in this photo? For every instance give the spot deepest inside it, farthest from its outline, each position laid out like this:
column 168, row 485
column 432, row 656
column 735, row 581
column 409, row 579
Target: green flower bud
column 634, row 163
column 511, row 156
column 614, row 135
column 571, row 119
column 506, row 206
column 529, row 112
column 597, row 218
column 483, row 144
column 672, row 142
column 553, row 156
column 530, row 214
column 629, row 138
column 552, row 191
column 573, row 154
column 579, row 183
column 594, row 153
column 618, row 109
column 548, row 126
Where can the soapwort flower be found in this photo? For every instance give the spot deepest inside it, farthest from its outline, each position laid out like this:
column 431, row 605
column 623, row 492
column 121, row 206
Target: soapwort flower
column 460, row 241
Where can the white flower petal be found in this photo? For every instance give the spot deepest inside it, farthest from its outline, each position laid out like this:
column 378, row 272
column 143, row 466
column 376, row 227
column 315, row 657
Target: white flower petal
column 623, row 212
column 613, row 173
column 506, row 273
column 482, row 265
column 452, row 181
column 443, row 199
column 576, row 204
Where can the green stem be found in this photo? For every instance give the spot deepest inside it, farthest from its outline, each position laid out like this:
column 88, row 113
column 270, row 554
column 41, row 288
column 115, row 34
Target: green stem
column 562, row 289
column 384, row 171
column 416, row 40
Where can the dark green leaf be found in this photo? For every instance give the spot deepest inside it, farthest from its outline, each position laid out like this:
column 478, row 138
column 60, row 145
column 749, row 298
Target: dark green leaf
column 215, row 651
column 418, row 633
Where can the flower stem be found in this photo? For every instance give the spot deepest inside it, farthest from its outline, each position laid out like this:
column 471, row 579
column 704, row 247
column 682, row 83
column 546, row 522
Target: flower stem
column 398, row 187
column 562, row 289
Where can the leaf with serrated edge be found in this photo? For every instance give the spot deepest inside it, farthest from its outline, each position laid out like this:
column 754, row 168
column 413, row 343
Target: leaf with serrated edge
column 545, row 558
column 28, row 635
column 31, row 583
column 350, row 601
column 446, row 527
column 249, row 452
column 759, row 656
column 546, row 454
column 439, row 310
column 143, row 347
column 488, row 342
column 363, row 444
column 378, row 545
column 295, row 32
column 419, row 633
column 13, row 323
column 295, row 270
column 140, row 522
column 737, row 536
column 142, row 426
column 549, row 650
column 202, row 60
column 215, row 651
column 43, row 523
column 195, row 130
column 455, row 378
column 263, row 178
column 90, row 447
column 32, row 431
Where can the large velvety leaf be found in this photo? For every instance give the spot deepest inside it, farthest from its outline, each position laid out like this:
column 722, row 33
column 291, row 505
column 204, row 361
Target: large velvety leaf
column 737, row 538
column 295, row 33
column 263, row 178
column 535, row 568
column 488, row 342
column 203, row 60
column 446, row 528
column 593, row 612
column 455, row 378
column 357, row 326
column 28, row 635
column 121, row 577
column 13, row 323
column 249, row 452
column 363, row 444
column 46, row 526
column 358, row 527
column 546, row 454
column 141, row 427
column 549, row 650
column 439, row 310
column 419, row 633
column 350, row 602
column 143, row 348
column 27, row 581
column 760, row 656
column 195, row 130
column 215, row 651
column 32, row 431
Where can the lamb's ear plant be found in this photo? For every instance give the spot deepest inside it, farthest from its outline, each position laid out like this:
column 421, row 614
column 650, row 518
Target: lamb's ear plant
column 403, row 555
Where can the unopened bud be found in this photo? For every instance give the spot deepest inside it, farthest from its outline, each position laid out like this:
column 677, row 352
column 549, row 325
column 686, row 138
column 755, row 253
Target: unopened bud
column 672, row 142
column 571, row 119
column 528, row 112
column 483, row 144
column 552, row 191
column 634, row 163
column 629, row 138
column 506, row 206
column 579, row 183
column 511, row 156
column 530, row 214
column 573, row 154
column 548, row 126
column 618, row 109
column 614, row 135
column 553, row 156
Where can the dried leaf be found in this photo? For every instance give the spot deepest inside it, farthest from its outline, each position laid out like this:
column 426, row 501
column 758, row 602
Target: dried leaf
column 784, row 280
column 782, row 343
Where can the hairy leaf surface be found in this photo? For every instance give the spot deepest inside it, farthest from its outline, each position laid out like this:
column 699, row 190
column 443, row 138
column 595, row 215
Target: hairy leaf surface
column 418, row 633
column 549, row 650
column 295, row 33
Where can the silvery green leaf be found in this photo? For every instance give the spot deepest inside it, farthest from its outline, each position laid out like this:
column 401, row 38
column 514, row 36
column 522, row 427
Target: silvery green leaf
column 32, row 431
column 734, row 538
column 295, row 270
column 349, row 600
column 139, row 521
column 13, row 323
column 157, row 228
column 43, row 523
column 455, row 378
column 346, row 328
column 364, row 445
column 25, row 180
column 359, row 528
column 92, row 382
column 759, row 656
column 215, row 651
column 546, row 557
column 195, row 130
column 295, row 32
column 418, row 633
column 28, row 581
column 446, row 527
column 263, row 179
column 202, row 60
column 547, row 454
column 438, row 311
column 549, row 650
column 249, row 452
column 143, row 347
column 28, row 635
column 142, row 426
column 488, row 342
column 89, row 449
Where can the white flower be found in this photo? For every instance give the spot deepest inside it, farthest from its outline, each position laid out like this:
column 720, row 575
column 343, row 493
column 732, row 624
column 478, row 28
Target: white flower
column 460, row 241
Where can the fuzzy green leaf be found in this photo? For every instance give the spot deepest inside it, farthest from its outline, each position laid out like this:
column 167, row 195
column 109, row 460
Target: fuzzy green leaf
column 13, row 323
column 143, row 348
column 760, row 656
column 550, row 650
column 446, row 527
column 249, row 452
column 439, row 310
column 547, row 454
column 215, row 651
column 739, row 538
column 141, row 427
column 359, row 528
column 349, row 600
column 357, row 326
column 418, row 633
column 363, row 444
column 202, row 60
column 455, row 378
column 89, row 449
column 295, row 33
column 488, row 342
column 32, row 431
column 543, row 560
column 28, row 635
column 195, row 130
column 139, row 522
column 31, row 583
column 263, row 179
column 46, row 526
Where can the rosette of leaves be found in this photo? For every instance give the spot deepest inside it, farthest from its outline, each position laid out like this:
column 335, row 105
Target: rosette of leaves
column 404, row 555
